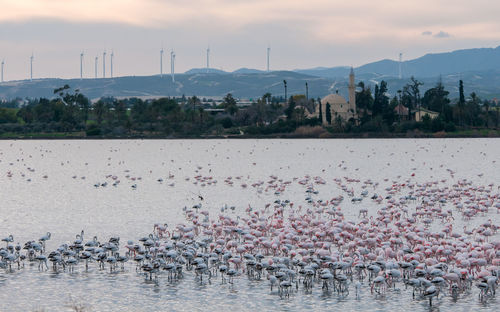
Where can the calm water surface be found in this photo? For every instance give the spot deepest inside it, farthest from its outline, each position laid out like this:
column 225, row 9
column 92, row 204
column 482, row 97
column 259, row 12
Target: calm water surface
column 49, row 186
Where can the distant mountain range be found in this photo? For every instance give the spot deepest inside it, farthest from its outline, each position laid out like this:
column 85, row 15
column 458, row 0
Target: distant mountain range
column 243, row 70
column 427, row 66
column 478, row 68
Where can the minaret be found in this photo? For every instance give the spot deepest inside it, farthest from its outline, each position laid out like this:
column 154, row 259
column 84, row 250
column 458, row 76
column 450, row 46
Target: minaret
column 352, row 92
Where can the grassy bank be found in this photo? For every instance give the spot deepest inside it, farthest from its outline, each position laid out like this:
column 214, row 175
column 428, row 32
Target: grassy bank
column 309, row 132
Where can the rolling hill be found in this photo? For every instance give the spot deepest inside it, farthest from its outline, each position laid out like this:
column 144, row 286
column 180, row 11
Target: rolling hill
column 429, row 65
column 478, row 68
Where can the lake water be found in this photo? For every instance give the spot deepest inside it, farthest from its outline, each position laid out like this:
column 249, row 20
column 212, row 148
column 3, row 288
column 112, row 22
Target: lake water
column 49, row 186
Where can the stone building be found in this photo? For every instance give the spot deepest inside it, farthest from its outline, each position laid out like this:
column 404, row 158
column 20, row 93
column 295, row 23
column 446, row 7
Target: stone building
column 339, row 107
column 420, row 113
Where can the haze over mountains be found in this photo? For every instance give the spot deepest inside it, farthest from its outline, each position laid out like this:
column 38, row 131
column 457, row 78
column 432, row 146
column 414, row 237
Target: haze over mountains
column 478, row 68
column 429, row 65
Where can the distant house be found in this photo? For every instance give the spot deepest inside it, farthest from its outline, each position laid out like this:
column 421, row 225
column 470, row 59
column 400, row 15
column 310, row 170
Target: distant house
column 401, row 111
column 420, row 113
column 244, row 102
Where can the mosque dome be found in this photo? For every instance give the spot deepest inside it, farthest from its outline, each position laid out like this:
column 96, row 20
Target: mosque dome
column 340, row 109
column 337, row 103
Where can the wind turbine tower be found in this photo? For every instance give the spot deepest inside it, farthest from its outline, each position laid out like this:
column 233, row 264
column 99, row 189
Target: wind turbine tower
column 31, row 67
column 268, row 53
column 96, row 60
column 104, row 64
column 172, row 65
column 161, row 63
column 3, row 64
column 400, row 64
column 81, row 66
column 208, row 59
column 112, row 55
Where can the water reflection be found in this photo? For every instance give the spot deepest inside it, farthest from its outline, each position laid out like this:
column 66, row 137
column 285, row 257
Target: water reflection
column 64, row 205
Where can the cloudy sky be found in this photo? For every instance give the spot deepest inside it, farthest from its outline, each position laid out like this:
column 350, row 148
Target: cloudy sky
column 301, row 34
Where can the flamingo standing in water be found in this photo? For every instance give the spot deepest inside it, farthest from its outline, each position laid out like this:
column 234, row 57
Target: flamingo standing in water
column 44, row 238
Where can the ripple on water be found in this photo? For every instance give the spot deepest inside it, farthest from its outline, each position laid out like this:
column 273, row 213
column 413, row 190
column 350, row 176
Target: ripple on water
column 63, row 206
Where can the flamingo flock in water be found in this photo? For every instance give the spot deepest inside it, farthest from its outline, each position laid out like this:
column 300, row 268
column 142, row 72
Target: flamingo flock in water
column 295, row 246
column 404, row 235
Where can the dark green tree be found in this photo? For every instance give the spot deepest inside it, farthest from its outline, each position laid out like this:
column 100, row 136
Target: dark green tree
column 436, row 99
column 364, row 101
column 139, row 112
column 193, row 102
column 286, row 90
column 328, row 114
column 461, row 92
column 7, row 115
column 461, row 103
column 381, row 100
column 229, row 104
column 120, row 113
column 473, row 111
column 290, row 110
column 99, row 111
column 411, row 94
column 486, row 113
column 320, row 116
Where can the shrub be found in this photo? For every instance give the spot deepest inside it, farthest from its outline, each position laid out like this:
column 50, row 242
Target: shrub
column 305, row 131
column 226, row 122
column 449, row 127
column 93, row 130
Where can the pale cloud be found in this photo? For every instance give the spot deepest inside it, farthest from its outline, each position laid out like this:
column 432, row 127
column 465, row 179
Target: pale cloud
column 329, row 32
column 323, row 19
column 442, row 34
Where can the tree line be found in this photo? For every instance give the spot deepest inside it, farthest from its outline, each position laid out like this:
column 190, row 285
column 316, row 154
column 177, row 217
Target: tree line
column 71, row 111
column 378, row 111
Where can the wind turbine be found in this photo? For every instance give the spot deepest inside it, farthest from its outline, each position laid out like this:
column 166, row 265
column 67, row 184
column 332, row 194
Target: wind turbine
column 400, row 64
column 208, row 59
column 104, row 64
column 81, row 65
column 268, row 53
column 3, row 64
column 161, row 62
column 96, row 60
column 172, row 65
column 31, row 67
column 112, row 55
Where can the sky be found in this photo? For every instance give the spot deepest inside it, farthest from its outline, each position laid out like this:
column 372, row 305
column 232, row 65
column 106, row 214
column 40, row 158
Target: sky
column 301, row 34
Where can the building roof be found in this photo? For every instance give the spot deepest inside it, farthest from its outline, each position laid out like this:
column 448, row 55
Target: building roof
column 333, row 99
column 423, row 110
column 337, row 103
column 400, row 109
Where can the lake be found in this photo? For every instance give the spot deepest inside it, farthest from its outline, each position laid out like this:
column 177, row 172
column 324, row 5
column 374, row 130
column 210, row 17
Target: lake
column 64, row 187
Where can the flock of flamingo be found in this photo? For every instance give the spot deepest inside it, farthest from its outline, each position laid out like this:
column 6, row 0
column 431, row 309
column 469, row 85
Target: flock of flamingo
column 410, row 240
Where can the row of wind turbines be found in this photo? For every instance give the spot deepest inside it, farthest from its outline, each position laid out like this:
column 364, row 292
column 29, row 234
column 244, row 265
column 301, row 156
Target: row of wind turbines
column 96, row 63
column 3, row 67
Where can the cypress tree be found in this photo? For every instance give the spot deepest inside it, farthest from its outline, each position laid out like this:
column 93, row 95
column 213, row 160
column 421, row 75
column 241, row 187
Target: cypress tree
column 328, row 114
column 320, row 113
column 461, row 102
column 461, row 91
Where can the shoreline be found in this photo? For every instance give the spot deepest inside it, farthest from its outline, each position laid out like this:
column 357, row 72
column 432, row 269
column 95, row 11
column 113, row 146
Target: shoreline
column 438, row 135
